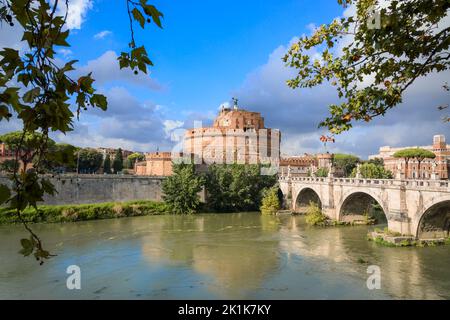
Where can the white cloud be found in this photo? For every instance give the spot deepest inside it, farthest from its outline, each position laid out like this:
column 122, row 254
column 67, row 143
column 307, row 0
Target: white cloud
column 76, row 14
column 65, row 52
column 127, row 123
column 298, row 112
column 105, row 69
column 225, row 104
column 102, row 34
column 170, row 125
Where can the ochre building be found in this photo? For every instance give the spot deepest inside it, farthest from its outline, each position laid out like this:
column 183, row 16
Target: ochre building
column 237, row 136
column 155, row 164
column 437, row 168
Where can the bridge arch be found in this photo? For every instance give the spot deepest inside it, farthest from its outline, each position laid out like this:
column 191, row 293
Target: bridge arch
column 304, row 197
column 434, row 222
column 356, row 204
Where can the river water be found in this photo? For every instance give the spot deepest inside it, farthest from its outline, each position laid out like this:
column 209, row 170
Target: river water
column 218, row 256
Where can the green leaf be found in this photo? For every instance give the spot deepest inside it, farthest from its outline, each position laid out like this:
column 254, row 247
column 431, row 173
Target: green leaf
column 137, row 15
column 100, row 101
column 30, row 95
column 5, row 193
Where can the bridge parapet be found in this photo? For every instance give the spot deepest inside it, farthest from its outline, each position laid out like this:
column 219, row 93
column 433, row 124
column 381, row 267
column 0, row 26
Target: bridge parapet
column 439, row 185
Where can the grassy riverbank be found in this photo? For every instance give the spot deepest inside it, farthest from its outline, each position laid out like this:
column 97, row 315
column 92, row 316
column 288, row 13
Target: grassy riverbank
column 71, row 213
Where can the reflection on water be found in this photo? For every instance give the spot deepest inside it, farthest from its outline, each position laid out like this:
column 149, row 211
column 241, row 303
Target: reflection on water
column 240, row 256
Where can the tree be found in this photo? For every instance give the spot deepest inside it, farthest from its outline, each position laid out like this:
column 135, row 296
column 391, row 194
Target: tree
column 377, row 161
column 270, row 201
column 372, row 171
column 36, row 89
column 345, row 162
column 413, row 153
column 181, row 189
column 236, row 187
column 60, row 158
column 133, row 158
column 8, row 165
column 89, row 160
column 322, row 172
column 381, row 60
column 118, row 161
column 26, row 146
column 107, row 164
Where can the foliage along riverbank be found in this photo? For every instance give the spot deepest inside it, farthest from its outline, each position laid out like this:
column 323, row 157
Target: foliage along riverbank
column 83, row 212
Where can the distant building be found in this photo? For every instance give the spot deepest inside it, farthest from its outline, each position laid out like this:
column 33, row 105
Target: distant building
column 437, row 168
column 237, row 136
column 8, row 154
column 305, row 165
column 298, row 165
column 155, row 164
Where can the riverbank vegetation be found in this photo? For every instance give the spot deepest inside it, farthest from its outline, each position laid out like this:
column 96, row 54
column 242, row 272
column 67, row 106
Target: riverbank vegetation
column 181, row 189
column 83, row 212
column 236, row 187
column 314, row 216
column 270, row 201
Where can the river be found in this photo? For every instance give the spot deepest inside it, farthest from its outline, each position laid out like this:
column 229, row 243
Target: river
column 217, row 256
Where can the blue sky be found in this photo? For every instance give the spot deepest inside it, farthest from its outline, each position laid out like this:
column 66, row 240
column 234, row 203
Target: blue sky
column 208, row 52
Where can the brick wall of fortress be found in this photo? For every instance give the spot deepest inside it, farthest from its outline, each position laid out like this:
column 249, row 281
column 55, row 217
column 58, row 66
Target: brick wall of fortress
column 73, row 189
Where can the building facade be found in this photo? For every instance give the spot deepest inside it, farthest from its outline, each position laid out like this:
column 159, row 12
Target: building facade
column 155, row 164
column 437, row 168
column 237, row 136
column 298, row 165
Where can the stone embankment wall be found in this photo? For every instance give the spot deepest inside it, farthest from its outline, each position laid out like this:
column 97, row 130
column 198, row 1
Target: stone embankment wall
column 84, row 188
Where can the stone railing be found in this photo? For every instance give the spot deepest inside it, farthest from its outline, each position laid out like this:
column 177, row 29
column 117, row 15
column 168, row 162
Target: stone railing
column 409, row 184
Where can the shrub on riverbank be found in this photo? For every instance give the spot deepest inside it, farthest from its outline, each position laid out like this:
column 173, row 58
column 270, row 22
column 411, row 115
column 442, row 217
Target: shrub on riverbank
column 270, row 201
column 314, row 215
column 70, row 213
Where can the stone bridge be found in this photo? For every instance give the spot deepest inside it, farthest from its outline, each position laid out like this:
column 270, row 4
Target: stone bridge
column 411, row 207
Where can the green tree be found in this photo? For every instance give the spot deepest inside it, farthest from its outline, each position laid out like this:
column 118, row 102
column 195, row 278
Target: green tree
column 377, row 161
column 37, row 90
column 322, row 172
column 372, row 171
column 133, row 158
column 414, row 153
column 8, row 165
column 314, row 216
column 107, row 164
column 270, row 203
column 26, row 146
column 118, row 161
column 181, row 189
column 377, row 63
column 236, row 187
column 345, row 162
column 61, row 157
column 89, row 160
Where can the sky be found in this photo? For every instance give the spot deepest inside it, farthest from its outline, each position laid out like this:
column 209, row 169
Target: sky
column 208, row 52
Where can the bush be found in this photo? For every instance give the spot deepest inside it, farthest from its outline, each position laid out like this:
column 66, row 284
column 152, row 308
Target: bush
column 314, row 215
column 322, row 172
column 181, row 189
column 70, row 213
column 270, row 201
column 236, row 187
